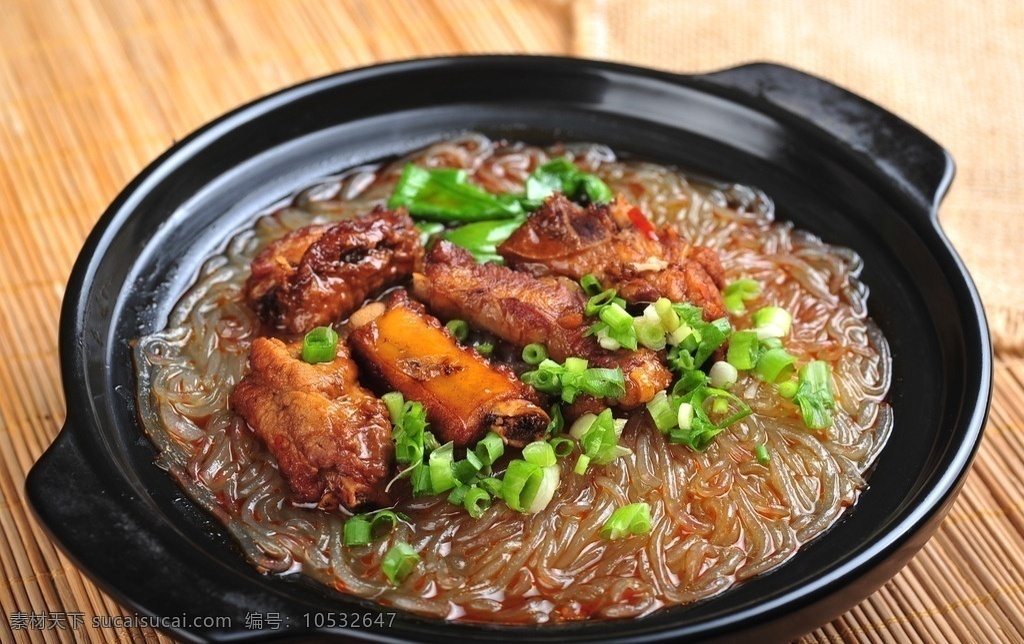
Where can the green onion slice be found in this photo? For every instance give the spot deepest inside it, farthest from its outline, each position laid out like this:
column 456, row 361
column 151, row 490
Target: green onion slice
column 591, row 285
column 723, row 375
column 442, row 471
column 476, row 501
column 357, row 531
column 458, row 328
column 772, row 322
column 582, row 463
column 788, row 389
column 399, row 562
column 661, row 412
column 814, row 395
column 528, row 487
column 489, row 449
column 534, row 354
column 650, row 334
column 361, row 529
column 597, row 302
column 320, row 345
column 775, row 365
column 599, row 436
column 634, row 518
column 562, row 446
column 557, row 423
column 743, row 350
column 491, row 485
column 761, row 454
column 573, row 378
column 539, row 453
column 738, row 292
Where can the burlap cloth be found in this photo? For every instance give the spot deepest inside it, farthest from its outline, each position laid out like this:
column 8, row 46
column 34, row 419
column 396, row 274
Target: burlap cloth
column 953, row 69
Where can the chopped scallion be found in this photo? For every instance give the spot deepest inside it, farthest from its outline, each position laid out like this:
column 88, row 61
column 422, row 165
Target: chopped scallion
column 599, row 301
column 634, row 518
column 477, row 500
column 582, row 463
column 384, row 522
column 723, row 375
column 669, row 318
column 772, row 322
column 788, row 389
column 762, row 455
column 661, row 412
column 320, row 345
column 573, row 377
column 399, row 562
column 356, row 531
column 458, row 494
column 591, row 285
column 442, row 472
column 458, row 328
column 684, row 417
column 599, row 436
column 650, row 334
column 491, row 485
column 557, row 423
column 528, row 487
column 775, row 365
column 539, row 453
column 738, row 292
column 814, row 395
column 361, row 529
column 562, row 446
column 743, row 350
column 534, row 354
column 489, row 449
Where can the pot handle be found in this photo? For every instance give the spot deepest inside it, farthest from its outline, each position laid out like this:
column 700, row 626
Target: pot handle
column 84, row 513
column 918, row 165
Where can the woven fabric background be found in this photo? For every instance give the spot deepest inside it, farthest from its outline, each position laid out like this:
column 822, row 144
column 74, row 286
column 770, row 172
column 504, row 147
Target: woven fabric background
column 953, row 69
column 92, row 90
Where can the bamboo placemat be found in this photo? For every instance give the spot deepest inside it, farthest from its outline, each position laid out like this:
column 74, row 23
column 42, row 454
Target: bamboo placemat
column 92, row 90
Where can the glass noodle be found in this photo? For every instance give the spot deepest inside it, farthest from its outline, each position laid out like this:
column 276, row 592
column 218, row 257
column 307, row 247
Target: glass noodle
column 718, row 517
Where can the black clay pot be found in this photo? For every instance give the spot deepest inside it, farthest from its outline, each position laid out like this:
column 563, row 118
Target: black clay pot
column 834, row 164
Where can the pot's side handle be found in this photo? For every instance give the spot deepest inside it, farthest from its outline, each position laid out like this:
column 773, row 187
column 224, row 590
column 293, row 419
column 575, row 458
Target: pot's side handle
column 88, row 517
column 919, row 165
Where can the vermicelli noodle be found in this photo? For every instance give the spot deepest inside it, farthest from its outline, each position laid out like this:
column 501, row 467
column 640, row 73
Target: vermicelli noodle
column 718, row 516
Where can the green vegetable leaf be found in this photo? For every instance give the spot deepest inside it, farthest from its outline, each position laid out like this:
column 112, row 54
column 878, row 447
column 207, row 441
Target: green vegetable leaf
column 481, row 238
column 446, row 195
column 561, row 175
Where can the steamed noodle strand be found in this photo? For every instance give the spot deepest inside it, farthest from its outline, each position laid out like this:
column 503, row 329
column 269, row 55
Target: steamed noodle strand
column 718, row 516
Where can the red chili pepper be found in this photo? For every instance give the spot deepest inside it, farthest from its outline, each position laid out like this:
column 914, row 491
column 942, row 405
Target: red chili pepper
column 641, row 222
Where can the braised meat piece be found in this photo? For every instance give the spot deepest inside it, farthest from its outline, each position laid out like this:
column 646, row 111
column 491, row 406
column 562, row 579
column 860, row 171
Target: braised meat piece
column 331, row 437
column 318, row 275
column 523, row 309
column 407, row 350
column 621, row 248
